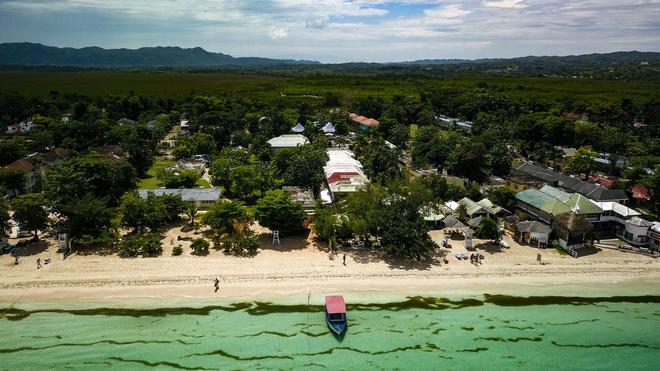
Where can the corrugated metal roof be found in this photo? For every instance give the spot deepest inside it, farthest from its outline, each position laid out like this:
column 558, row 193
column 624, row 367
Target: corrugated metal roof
column 288, row 141
column 192, row 194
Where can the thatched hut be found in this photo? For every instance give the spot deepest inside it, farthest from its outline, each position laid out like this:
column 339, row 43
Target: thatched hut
column 571, row 230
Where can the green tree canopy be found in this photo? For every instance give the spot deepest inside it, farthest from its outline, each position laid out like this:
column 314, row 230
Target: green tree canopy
column 503, row 196
column 5, row 227
column 488, row 230
column 179, row 178
column 582, row 161
column 30, row 212
column 278, row 211
column 87, row 216
column 223, row 214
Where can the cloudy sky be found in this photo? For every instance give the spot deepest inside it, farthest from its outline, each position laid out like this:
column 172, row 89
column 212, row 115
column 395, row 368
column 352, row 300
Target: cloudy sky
column 342, row 30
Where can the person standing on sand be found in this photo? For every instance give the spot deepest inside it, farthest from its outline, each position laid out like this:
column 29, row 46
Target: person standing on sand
column 216, row 284
column 38, row 263
column 344, row 259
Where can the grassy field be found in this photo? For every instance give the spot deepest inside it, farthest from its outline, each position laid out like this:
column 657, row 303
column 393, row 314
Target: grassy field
column 151, row 180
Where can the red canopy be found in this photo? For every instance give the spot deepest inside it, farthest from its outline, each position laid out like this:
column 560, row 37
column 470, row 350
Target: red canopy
column 334, row 304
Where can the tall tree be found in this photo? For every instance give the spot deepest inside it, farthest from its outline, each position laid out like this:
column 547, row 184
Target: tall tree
column 223, row 214
column 278, row 211
column 30, row 212
column 5, row 226
column 582, row 161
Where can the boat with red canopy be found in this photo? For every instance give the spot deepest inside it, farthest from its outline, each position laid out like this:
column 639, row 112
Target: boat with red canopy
column 335, row 313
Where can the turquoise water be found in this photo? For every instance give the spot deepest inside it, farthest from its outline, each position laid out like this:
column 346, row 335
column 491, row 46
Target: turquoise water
column 489, row 332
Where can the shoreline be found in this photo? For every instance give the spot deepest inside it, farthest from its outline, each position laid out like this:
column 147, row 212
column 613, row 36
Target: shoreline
column 299, row 269
column 365, row 290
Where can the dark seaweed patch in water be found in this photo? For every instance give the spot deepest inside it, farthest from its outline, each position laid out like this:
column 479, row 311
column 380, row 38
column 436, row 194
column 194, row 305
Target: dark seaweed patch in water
column 314, row 334
column 519, row 301
column 510, row 340
column 332, row 350
column 475, row 350
column 157, row 364
column 620, row 345
column 43, row 337
column 437, row 331
column 518, row 328
column 263, row 308
column 574, row 322
column 280, row 334
column 15, row 314
column 222, row 353
column 113, row 342
column 491, row 327
column 468, row 328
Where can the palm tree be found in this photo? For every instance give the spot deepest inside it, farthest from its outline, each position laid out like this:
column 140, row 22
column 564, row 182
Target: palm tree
column 191, row 212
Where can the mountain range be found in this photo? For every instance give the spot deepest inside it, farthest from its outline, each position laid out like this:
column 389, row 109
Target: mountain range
column 31, row 54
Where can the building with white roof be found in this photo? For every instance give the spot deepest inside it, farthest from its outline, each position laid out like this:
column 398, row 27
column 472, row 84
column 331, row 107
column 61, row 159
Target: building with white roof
column 200, row 197
column 623, row 221
column 288, row 141
column 343, row 173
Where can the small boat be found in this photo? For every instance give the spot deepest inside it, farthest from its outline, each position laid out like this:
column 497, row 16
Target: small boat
column 335, row 314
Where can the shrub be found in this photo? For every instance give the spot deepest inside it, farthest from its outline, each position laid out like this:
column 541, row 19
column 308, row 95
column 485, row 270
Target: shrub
column 245, row 243
column 177, row 250
column 151, row 245
column 142, row 244
column 130, row 247
column 200, row 246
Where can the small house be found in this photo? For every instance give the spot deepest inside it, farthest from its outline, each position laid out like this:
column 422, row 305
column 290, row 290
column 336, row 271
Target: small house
column 287, row 141
column 201, row 198
column 533, row 232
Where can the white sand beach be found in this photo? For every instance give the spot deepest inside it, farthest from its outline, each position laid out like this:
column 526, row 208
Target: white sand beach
column 300, row 266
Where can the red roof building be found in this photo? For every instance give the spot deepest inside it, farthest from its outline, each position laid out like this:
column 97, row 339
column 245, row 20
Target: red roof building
column 601, row 180
column 640, row 193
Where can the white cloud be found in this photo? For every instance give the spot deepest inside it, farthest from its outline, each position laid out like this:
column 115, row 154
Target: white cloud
column 447, row 11
column 277, row 33
column 508, row 4
column 350, row 29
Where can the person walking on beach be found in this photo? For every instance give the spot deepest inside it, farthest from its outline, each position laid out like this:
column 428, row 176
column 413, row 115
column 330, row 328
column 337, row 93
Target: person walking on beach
column 38, row 263
column 216, row 284
column 344, row 259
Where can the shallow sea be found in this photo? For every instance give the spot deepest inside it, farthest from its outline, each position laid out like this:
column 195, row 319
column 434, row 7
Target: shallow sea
column 419, row 333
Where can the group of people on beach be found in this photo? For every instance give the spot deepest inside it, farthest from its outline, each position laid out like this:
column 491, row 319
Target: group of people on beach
column 475, row 258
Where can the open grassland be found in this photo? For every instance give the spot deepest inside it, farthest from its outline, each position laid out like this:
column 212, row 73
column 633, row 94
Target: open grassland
column 307, row 86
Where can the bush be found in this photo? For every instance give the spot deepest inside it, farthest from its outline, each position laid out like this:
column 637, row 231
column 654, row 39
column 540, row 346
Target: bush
column 245, row 243
column 200, row 246
column 142, row 244
column 177, row 250
column 151, row 245
column 130, row 247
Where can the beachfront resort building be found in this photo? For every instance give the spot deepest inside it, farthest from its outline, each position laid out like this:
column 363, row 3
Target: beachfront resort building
column 201, row 198
column 527, row 175
column 550, row 205
column 287, row 141
column 343, row 173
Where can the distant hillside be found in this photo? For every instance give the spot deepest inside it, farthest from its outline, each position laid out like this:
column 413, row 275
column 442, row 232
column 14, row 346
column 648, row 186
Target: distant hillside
column 585, row 60
column 30, row 54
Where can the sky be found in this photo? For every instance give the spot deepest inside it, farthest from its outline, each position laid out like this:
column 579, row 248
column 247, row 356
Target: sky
column 342, row 30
